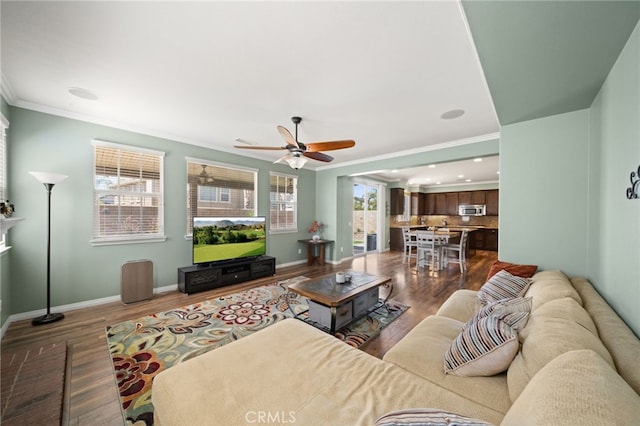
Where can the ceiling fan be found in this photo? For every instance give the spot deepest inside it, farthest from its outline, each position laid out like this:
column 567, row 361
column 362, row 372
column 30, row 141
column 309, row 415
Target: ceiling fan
column 298, row 150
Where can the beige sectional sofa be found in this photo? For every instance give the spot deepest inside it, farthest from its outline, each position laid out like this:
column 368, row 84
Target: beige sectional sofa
column 578, row 363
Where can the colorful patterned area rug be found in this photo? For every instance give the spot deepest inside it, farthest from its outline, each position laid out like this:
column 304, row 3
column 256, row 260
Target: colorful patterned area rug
column 142, row 348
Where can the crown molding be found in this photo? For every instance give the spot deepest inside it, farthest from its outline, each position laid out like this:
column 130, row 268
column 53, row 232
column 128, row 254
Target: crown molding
column 428, row 148
column 6, row 90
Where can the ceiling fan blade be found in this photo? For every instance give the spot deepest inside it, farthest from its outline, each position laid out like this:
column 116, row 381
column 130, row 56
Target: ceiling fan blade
column 328, row 146
column 287, row 136
column 318, row 156
column 270, row 148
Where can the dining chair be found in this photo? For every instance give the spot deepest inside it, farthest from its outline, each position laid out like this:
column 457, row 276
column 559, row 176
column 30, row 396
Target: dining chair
column 410, row 245
column 458, row 250
column 428, row 250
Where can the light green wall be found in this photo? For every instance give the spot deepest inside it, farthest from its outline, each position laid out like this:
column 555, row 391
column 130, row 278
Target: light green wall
column 614, row 225
column 563, row 182
column 544, row 192
column 79, row 271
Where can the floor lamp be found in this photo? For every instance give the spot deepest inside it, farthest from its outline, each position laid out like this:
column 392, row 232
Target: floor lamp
column 49, row 180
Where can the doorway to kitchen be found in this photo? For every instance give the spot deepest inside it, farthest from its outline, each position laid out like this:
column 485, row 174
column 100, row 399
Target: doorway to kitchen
column 366, row 218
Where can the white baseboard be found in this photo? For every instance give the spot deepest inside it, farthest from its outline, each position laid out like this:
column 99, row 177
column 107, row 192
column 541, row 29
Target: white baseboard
column 109, row 299
column 73, row 306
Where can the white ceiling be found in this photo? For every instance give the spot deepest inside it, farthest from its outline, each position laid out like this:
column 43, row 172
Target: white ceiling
column 467, row 172
column 208, row 73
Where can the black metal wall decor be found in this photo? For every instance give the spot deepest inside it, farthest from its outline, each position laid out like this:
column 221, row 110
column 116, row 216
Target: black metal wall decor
column 633, row 192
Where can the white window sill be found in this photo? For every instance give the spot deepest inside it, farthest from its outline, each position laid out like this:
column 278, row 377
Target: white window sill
column 283, row 231
column 127, row 240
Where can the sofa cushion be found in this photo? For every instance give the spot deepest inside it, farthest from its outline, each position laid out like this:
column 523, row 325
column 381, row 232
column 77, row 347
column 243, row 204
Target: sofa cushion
column 427, row 417
column 621, row 342
column 559, row 326
column 484, row 348
column 515, row 312
column 461, row 305
column 550, row 285
column 577, row 387
column 502, row 285
column 525, row 271
column 299, row 373
column 422, row 351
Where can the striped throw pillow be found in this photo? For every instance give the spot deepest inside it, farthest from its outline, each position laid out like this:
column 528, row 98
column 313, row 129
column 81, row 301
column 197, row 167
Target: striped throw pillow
column 503, row 285
column 515, row 312
column 484, row 348
column 427, row 417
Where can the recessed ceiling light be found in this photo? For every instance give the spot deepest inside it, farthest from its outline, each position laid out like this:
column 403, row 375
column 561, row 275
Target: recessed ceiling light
column 477, row 160
column 468, row 180
column 394, row 171
column 83, row 93
column 498, row 172
column 460, row 176
column 454, row 113
column 432, row 166
column 438, row 183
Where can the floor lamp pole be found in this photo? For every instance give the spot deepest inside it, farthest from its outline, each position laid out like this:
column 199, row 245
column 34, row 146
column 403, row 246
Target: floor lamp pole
column 48, row 180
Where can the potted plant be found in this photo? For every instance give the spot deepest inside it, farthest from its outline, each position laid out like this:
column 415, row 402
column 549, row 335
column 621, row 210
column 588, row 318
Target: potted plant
column 316, row 229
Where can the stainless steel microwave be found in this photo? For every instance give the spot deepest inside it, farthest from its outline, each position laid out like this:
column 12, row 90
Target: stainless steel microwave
column 472, row 210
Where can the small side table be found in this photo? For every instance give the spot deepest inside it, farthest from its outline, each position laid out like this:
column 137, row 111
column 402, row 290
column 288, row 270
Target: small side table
column 315, row 250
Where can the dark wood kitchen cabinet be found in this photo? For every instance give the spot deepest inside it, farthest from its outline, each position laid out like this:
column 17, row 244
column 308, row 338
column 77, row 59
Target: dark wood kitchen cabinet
column 452, row 203
column 418, row 204
column 478, row 197
column 491, row 239
column 396, row 239
column 397, row 201
column 465, row 197
column 492, row 202
column 439, row 204
column 484, row 239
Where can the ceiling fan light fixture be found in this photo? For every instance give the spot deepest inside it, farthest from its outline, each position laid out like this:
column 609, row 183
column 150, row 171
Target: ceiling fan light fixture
column 204, row 178
column 296, row 161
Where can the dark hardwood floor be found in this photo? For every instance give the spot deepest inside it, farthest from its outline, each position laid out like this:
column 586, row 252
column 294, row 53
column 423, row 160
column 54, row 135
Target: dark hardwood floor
column 91, row 391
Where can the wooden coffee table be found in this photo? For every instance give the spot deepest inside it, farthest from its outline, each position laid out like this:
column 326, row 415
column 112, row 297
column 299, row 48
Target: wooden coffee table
column 333, row 305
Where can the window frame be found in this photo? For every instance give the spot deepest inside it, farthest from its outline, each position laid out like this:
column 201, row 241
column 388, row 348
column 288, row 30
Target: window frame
column 124, row 238
column 273, row 228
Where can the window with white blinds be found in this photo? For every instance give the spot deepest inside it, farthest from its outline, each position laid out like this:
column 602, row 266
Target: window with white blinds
column 128, row 194
column 216, row 189
column 283, row 195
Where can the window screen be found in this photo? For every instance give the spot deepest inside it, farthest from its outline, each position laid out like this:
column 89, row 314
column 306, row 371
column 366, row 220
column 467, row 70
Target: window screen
column 128, row 193
column 284, row 203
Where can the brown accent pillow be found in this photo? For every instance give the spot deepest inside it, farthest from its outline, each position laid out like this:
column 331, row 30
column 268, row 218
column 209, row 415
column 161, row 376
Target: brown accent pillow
column 524, row 271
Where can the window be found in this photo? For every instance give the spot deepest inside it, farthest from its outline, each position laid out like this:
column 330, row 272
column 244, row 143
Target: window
column 215, row 189
column 128, row 194
column 284, row 198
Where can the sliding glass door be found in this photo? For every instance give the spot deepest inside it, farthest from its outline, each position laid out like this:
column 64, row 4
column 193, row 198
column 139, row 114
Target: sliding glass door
column 365, row 218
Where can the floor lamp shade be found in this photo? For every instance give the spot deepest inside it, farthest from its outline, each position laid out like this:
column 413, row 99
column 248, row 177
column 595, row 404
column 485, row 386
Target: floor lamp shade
column 48, row 180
